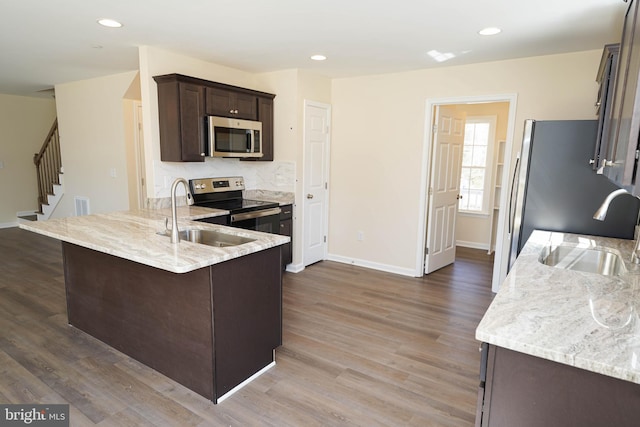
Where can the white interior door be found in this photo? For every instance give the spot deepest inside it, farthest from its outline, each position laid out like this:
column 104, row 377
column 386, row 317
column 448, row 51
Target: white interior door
column 316, row 157
column 444, row 187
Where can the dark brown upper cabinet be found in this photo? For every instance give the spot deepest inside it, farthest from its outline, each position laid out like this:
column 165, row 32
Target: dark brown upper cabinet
column 606, row 78
column 229, row 103
column 181, row 117
column 622, row 152
column 185, row 102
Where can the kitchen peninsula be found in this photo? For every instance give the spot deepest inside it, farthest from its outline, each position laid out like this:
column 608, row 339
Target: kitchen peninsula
column 563, row 344
column 208, row 317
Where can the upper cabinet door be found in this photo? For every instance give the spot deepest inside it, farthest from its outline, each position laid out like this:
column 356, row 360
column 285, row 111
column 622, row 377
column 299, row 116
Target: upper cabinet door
column 224, row 103
column 621, row 157
column 606, row 78
column 181, row 120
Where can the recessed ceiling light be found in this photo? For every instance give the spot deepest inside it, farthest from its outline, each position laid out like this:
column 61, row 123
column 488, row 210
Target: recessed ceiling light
column 111, row 23
column 489, row 31
column 318, row 57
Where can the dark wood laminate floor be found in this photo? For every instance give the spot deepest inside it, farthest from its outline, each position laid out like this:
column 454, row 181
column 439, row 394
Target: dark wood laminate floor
column 361, row 347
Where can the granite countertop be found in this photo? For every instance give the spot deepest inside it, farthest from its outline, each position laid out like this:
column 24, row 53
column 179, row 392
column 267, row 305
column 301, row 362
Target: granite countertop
column 133, row 235
column 184, row 212
column 281, row 197
column 585, row 320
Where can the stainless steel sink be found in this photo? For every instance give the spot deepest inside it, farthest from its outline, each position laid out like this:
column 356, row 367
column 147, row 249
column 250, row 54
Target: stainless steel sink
column 210, row 237
column 588, row 260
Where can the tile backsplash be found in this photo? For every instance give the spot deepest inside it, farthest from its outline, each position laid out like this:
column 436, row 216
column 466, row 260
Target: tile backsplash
column 271, row 176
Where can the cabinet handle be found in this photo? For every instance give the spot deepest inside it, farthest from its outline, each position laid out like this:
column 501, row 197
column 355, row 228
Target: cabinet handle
column 201, row 154
column 591, row 161
column 309, row 196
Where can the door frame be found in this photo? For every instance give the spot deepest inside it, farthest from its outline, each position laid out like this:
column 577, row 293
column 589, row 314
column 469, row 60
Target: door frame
column 139, row 154
column 425, row 174
column 325, row 167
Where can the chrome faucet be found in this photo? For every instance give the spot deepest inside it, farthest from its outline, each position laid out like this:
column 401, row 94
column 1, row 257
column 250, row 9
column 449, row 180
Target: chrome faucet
column 175, row 233
column 601, row 214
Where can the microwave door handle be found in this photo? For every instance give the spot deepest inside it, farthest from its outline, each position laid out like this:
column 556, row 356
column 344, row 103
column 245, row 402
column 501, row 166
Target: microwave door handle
column 249, row 136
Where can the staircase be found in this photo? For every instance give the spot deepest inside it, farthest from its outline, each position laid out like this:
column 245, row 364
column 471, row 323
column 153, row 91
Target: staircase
column 49, row 173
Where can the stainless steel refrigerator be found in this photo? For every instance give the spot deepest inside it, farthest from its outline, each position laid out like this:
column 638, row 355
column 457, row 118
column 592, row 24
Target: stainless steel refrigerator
column 554, row 187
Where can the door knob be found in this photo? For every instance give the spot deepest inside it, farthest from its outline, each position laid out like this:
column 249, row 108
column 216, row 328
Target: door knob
column 309, row 196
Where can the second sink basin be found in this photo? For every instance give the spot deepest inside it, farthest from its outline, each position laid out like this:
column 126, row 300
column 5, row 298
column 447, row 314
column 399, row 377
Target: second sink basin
column 588, row 260
column 211, row 237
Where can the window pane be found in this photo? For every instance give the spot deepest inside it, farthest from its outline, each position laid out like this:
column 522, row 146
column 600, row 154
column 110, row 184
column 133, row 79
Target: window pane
column 465, row 175
column 474, row 166
column 476, row 179
column 468, row 133
column 467, row 155
column 474, row 200
column 481, row 135
column 479, row 156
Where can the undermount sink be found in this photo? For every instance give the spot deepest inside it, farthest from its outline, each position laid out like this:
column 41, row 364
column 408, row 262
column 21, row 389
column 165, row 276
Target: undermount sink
column 210, row 237
column 588, row 260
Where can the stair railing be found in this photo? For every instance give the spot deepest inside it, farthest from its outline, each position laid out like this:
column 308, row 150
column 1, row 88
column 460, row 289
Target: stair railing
column 48, row 165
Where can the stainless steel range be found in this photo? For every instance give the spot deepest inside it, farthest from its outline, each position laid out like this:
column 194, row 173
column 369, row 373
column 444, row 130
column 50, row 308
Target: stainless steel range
column 226, row 193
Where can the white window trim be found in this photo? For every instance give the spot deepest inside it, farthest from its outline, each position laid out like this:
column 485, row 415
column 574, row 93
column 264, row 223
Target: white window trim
column 488, row 182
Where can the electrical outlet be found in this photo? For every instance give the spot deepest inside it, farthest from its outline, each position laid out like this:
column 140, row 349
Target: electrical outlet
column 1, row 164
column 360, row 236
column 112, row 172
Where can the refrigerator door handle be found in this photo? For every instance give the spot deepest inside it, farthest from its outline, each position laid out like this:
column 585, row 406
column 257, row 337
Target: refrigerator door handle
column 511, row 201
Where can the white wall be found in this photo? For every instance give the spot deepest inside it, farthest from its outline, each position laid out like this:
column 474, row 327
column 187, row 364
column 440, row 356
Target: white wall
column 24, row 124
column 91, row 118
column 379, row 134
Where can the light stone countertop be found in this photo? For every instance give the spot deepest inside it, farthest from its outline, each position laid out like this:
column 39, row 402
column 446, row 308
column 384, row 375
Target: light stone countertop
column 133, row 235
column 585, row 320
column 184, row 212
column 281, row 197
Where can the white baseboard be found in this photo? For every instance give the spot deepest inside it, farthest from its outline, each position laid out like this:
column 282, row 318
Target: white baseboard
column 373, row 265
column 472, row 245
column 295, row 268
column 245, row 382
column 8, row 224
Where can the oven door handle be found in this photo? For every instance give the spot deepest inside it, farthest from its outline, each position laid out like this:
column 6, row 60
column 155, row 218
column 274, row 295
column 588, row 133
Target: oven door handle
column 255, row 214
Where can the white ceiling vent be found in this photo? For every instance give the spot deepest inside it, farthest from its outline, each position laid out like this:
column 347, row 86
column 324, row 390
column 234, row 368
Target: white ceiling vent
column 82, row 206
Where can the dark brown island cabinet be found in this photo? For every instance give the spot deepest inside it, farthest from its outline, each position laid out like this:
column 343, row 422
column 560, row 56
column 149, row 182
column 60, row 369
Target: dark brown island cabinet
column 209, row 329
column 286, row 229
column 517, row 389
column 184, row 103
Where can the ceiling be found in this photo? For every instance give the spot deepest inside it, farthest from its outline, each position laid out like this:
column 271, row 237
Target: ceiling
column 43, row 43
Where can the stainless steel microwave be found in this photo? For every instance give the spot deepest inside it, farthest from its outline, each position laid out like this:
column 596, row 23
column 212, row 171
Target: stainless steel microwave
column 234, row 137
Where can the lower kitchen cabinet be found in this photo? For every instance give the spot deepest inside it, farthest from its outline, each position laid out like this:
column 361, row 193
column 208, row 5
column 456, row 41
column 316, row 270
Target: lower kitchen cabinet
column 209, row 329
column 527, row 391
column 286, row 229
